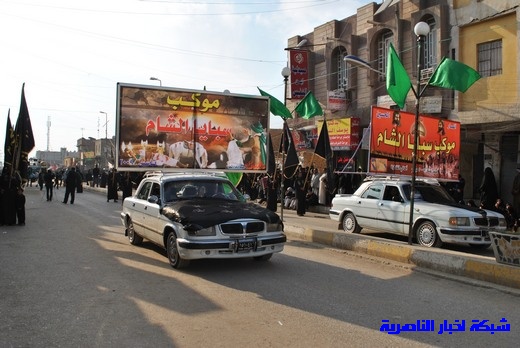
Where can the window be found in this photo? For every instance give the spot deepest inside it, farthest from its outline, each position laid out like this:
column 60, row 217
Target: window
column 156, row 190
column 430, row 45
column 143, row 193
column 383, row 46
column 392, row 194
column 373, row 192
column 490, row 58
column 340, row 76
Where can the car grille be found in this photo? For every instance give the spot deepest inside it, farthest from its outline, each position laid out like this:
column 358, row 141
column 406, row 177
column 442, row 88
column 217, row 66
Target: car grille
column 488, row 222
column 244, row 227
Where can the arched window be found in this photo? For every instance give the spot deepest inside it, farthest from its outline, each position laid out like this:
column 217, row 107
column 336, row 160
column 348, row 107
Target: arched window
column 339, row 78
column 430, row 44
column 383, row 45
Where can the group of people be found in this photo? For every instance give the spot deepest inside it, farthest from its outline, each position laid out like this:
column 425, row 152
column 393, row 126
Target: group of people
column 307, row 187
column 73, row 180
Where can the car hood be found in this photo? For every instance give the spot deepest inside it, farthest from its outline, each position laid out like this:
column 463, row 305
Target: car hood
column 467, row 209
column 202, row 213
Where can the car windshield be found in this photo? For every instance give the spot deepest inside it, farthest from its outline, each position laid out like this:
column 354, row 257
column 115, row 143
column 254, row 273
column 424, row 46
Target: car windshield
column 429, row 193
column 206, row 189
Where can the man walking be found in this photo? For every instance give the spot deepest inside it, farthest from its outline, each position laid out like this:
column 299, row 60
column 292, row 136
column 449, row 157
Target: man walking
column 48, row 178
column 71, row 182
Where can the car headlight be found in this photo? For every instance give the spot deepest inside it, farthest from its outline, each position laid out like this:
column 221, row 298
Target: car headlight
column 203, row 232
column 274, row 227
column 459, row 221
column 502, row 222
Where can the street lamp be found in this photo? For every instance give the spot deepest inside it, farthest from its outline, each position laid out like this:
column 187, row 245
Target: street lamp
column 106, row 136
column 421, row 29
column 156, row 79
column 106, row 123
column 353, row 60
column 286, row 72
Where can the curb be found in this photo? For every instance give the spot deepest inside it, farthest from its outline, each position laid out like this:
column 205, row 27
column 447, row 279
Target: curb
column 436, row 260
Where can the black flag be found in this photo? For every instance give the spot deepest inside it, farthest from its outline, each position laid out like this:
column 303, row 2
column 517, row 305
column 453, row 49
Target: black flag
column 271, row 163
column 10, row 143
column 287, row 146
column 24, row 137
column 324, row 150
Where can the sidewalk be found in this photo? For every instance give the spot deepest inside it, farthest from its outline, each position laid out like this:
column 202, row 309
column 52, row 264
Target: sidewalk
column 317, row 227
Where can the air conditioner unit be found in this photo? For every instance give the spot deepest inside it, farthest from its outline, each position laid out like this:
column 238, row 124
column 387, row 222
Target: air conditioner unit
column 426, row 74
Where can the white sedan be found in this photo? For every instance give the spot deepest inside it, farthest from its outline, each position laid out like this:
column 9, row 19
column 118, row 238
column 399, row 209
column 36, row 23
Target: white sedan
column 384, row 205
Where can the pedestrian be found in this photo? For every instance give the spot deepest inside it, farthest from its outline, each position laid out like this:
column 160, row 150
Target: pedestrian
column 79, row 182
column 7, row 199
column 71, row 183
column 40, row 179
column 58, row 179
column 272, row 193
column 315, row 181
column 515, row 191
column 20, row 206
column 488, row 190
column 127, row 185
column 299, row 187
column 112, row 185
column 322, row 195
column 95, row 176
column 511, row 217
column 49, row 183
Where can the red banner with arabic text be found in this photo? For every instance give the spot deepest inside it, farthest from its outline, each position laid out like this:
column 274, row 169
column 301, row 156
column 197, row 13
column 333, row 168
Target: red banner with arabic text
column 299, row 65
column 392, row 145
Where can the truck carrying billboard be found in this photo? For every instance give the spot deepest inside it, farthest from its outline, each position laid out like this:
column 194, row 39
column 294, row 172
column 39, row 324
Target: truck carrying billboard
column 178, row 129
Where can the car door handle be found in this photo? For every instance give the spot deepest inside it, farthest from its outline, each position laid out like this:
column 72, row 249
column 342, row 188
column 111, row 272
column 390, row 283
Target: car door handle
column 146, row 208
column 380, row 204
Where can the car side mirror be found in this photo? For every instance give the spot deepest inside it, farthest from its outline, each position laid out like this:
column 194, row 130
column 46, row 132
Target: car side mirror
column 397, row 199
column 154, row 200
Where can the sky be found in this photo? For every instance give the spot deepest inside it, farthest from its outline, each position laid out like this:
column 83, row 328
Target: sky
column 71, row 54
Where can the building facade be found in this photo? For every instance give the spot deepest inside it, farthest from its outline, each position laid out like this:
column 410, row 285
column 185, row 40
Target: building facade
column 481, row 34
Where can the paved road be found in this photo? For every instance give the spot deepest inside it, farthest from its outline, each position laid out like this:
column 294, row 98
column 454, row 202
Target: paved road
column 69, row 278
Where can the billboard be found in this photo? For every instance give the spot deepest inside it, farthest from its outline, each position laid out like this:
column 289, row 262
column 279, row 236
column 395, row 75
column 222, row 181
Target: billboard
column 343, row 133
column 176, row 129
column 392, row 145
column 299, row 65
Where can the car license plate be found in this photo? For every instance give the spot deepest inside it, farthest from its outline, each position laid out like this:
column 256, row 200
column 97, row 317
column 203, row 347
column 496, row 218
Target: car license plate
column 245, row 244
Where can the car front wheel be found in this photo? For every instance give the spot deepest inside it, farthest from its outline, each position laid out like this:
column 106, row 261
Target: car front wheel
column 427, row 235
column 133, row 237
column 350, row 224
column 173, row 252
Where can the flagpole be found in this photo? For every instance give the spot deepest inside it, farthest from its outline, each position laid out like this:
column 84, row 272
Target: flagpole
column 421, row 29
column 286, row 72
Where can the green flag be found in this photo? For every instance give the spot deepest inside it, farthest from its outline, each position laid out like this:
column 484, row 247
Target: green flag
column 309, row 107
column 454, row 75
column 398, row 83
column 234, row 177
column 276, row 107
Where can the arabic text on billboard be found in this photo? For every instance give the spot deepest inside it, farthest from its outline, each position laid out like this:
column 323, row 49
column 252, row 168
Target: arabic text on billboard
column 392, row 145
column 178, row 129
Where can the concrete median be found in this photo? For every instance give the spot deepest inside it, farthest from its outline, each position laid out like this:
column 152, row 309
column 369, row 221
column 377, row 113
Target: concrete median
column 440, row 260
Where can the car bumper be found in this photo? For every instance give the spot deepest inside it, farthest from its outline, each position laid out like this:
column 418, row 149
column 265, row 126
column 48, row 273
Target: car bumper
column 470, row 236
column 235, row 248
